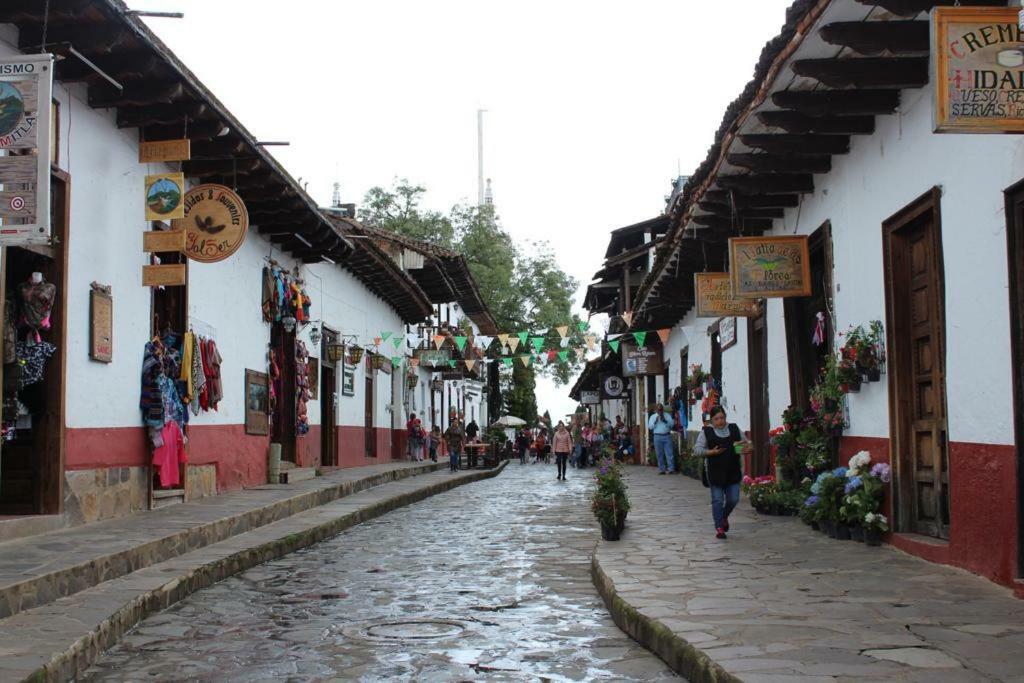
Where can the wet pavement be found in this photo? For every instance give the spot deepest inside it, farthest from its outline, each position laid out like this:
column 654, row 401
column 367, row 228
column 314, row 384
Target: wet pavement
column 490, row 581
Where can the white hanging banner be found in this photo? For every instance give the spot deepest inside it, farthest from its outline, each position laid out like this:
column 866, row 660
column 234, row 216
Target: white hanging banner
column 26, row 87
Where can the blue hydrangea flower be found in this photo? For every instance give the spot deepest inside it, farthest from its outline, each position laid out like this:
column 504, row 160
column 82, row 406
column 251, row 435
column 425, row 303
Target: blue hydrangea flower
column 811, row 501
column 854, row 484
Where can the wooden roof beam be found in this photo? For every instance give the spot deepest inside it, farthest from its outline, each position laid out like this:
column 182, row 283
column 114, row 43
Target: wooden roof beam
column 866, row 72
column 160, row 114
column 876, row 37
column 221, row 148
column 783, row 163
column 724, row 223
column 909, row 8
column 723, row 209
column 799, row 144
column 795, row 122
column 159, row 92
column 838, row 102
column 225, row 167
column 206, row 129
column 767, row 184
column 752, row 201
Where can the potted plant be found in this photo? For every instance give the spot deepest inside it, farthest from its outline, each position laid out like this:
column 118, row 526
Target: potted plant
column 829, row 488
column 864, row 348
column 609, row 502
column 875, row 524
column 810, row 511
column 849, row 376
column 761, row 491
column 696, row 381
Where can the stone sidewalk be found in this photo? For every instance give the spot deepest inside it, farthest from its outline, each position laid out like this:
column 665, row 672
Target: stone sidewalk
column 777, row 602
column 59, row 640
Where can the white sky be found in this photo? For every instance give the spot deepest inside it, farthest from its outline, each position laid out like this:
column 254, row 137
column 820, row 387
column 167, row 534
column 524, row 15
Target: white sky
column 593, row 107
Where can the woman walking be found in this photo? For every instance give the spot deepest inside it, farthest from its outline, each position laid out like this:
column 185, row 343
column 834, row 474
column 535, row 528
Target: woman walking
column 562, row 445
column 454, row 438
column 722, row 466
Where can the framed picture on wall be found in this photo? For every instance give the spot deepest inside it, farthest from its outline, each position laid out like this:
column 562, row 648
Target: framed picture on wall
column 348, row 379
column 257, row 403
column 313, row 375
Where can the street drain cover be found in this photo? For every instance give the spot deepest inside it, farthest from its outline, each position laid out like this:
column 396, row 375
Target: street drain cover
column 399, row 630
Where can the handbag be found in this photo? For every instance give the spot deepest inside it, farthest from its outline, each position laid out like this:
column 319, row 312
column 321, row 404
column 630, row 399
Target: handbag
column 704, row 473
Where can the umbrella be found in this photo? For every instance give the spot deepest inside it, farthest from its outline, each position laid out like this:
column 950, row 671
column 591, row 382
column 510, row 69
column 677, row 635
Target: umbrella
column 510, row 421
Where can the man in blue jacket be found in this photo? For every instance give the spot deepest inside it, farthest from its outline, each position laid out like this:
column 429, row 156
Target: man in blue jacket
column 660, row 426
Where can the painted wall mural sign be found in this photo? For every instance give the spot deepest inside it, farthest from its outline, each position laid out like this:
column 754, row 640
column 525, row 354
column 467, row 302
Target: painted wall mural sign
column 215, row 223
column 163, row 196
column 26, row 91
column 978, row 70
column 769, row 267
column 715, row 299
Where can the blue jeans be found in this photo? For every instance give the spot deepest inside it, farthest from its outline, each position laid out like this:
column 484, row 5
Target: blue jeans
column 723, row 502
column 666, row 454
column 454, row 458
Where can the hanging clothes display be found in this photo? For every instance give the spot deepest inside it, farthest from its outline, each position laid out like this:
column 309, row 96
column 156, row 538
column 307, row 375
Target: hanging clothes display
column 10, row 333
column 198, row 374
column 36, row 301
column 211, row 366
column 32, row 358
column 187, row 351
column 302, row 393
column 283, row 295
column 169, row 455
column 271, row 310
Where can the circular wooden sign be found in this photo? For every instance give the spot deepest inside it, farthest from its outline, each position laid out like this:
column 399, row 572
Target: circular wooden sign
column 215, row 223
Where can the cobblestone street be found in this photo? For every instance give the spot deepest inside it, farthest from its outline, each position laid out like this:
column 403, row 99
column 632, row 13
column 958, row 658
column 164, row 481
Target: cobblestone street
column 489, row 581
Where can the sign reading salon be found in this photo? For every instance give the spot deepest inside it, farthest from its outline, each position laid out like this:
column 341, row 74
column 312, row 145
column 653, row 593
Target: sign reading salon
column 978, row 70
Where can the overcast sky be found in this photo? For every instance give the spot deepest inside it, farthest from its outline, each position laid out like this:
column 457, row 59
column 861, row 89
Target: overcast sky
column 592, row 107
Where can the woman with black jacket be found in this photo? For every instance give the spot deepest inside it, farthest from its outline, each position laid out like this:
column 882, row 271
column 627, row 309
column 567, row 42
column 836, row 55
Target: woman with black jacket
column 717, row 444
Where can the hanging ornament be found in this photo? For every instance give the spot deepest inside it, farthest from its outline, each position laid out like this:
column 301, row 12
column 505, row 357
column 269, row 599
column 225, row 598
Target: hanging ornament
column 562, row 330
column 452, row 364
column 413, row 340
column 551, row 356
column 522, row 336
column 483, row 343
column 563, row 356
column 628, row 317
column 564, row 343
column 396, row 361
column 580, row 353
column 385, row 336
column 470, row 364
column 614, row 344
column 503, row 339
column 513, row 343
column 640, row 338
column 664, row 333
column 396, row 341
column 538, row 343
column 819, row 330
column 460, row 342
column 583, row 326
column 525, row 360
column 507, row 362
column 438, row 341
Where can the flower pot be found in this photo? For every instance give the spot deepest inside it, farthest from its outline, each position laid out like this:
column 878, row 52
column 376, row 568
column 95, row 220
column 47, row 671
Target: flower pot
column 773, row 509
column 842, row 532
column 855, row 386
column 872, row 537
column 857, row 533
column 610, row 532
column 829, row 527
column 874, row 374
column 621, row 524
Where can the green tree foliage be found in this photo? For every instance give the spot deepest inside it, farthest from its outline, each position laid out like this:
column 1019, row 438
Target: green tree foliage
column 522, row 284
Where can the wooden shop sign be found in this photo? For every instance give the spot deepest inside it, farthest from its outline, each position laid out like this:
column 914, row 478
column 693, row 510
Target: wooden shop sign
column 645, row 360
column 101, row 324
column 978, row 70
column 715, row 299
column 769, row 267
column 156, row 241
column 26, row 117
column 165, row 150
column 169, row 275
column 590, row 398
column 215, row 223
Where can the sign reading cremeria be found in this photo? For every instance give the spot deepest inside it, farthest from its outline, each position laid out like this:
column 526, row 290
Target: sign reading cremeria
column 978, row 67
column 26, row 83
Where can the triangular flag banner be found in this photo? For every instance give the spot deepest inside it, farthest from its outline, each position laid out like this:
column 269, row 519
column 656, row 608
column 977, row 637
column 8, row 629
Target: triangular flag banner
column 580, row 352
column 438, row 340
column 628, row 317
column 413, row 340
column 483, row 343
column 551, row 356
column 507, row 362
column 583, row 325
column 541, row 332
column 614, row 343
column 564, row 343
column 460, row 341
column 525, row 360
column 513, row 343
column 397, row 341
column 452, row 363
column 470, row 364
column 640, row 337
column 538, row 343
column 377, row 341
column 663, row 334
column 396, row 360
column 503, row 339
column 385, row 336
column 414, row 362
column 613, row 336
column 522, row 336
column 562, row 330
column 563, row 356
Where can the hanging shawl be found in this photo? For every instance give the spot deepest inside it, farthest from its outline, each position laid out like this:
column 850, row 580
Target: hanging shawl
column 819, row 330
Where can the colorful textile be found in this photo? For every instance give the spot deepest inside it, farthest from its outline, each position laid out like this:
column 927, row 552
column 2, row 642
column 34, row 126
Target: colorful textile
column 198, row 375
column 187, row 355
column 170, row 455
column 36, row 304
column 33, row 359
column 214, row 385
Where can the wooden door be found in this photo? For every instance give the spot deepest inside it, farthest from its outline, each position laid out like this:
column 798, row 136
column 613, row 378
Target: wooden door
column 328, row 402
column 370, row 442
column 807, row 359
column 757, row 372
column 916, row 335
column 284, row 430
column 1015, row 251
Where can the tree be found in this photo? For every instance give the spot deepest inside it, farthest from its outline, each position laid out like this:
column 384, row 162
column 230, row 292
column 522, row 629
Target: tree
column 522, row 285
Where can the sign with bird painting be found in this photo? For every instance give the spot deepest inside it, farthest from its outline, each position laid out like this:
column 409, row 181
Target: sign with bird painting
column 978, row 70
column 215, row 223
column 163, row 196
column 26, row 116
column 769, row 267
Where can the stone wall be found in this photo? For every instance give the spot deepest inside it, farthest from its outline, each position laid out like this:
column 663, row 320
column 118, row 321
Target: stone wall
column 104, row 493
column 201, row 481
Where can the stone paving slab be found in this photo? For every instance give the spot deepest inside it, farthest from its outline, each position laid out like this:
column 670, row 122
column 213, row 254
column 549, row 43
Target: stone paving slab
column 59, row 640
column 777, row 602
column 39, row 569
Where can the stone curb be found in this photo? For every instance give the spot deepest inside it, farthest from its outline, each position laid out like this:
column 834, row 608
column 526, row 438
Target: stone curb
column 681, row 656
column 69, row 664
column 45, row 588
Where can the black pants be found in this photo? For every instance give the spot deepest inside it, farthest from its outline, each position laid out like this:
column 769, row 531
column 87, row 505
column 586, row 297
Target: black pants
column 561, row 459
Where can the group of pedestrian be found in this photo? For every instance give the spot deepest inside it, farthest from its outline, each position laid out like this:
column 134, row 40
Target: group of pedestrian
column 423, row 444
